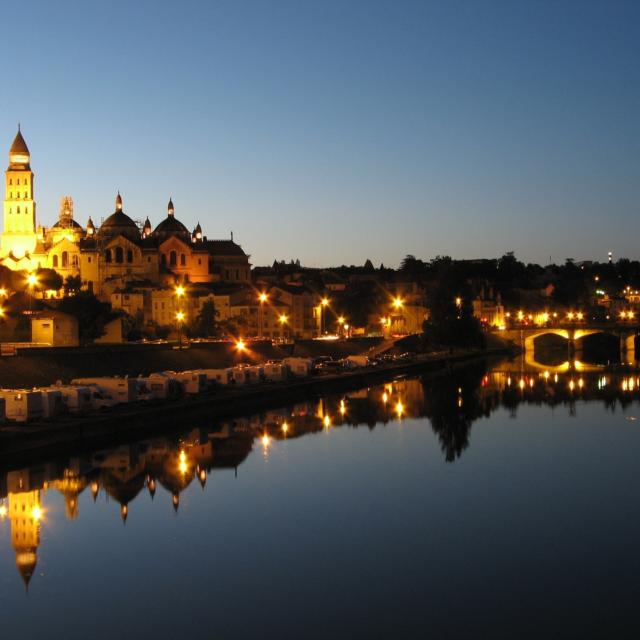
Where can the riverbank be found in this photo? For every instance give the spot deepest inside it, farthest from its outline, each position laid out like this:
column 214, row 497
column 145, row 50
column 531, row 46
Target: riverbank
column 139, row 419
column 38, row 367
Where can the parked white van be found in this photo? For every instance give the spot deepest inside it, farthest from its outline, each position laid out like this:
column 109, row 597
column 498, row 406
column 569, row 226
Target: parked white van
column 22, row 405
column 120, row 389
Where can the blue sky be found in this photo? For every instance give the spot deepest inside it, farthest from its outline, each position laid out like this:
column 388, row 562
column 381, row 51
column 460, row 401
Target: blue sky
column 339, row 131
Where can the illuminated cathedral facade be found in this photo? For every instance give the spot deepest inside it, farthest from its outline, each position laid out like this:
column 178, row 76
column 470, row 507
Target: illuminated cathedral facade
column 114, row 254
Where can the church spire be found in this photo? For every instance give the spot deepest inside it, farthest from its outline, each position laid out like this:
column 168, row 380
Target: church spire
column 118, row 202
column 170, row 209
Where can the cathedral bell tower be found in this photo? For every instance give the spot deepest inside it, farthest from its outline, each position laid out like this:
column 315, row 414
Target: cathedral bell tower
column 19, row 236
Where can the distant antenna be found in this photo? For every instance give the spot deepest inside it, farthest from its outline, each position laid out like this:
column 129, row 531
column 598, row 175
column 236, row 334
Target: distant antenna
column 232, row 236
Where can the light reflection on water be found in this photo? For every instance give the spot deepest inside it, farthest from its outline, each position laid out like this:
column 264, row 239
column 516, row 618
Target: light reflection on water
column 374, row 500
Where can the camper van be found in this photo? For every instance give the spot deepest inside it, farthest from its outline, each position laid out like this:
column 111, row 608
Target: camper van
column 52, row 403
column 275, row 371
column 21, row 405
column 75, row 399
column 217, row 376
column 299, row 367
column 122, row 390
column 158, row 387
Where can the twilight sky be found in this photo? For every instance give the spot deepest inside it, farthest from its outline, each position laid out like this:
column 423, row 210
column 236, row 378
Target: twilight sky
column 335, row 131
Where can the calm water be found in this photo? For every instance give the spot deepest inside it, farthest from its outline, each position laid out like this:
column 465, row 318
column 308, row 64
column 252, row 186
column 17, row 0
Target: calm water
column 487, row 503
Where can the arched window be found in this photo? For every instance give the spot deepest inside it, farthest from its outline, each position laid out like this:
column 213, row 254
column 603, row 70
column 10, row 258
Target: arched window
column 172, row 259
column 107, row 255
column 119, row 255
column 74, row 260
column 55, row 262
column 129, row 255
column 65, row 259
column 183, row 260
column 163, row 260
column 18, row 209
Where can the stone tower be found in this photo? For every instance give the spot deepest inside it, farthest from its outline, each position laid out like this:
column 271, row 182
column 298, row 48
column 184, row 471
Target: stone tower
column 19, row 237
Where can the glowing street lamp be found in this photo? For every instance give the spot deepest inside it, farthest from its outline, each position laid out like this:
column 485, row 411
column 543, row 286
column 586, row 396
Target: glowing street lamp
column 398, row 303
column 262, row 298
column 324, row 302
column 240, row 345
column 180, row 291
column 283, row 318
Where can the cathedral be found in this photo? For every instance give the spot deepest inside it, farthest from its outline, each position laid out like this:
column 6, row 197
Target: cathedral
column 115, row 254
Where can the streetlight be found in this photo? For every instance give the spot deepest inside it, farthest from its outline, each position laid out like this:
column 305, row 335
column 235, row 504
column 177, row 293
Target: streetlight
column 263, row 297
column 341, row 322
column 32, row 281
column 323, row 303
column 180, row 319
column 282, row 319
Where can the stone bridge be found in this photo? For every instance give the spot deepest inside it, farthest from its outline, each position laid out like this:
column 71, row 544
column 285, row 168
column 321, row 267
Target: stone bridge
column 525, row 337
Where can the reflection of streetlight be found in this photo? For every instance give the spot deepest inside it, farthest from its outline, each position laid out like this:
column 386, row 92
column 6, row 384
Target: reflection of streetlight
column 458, row 301
column 3, row 292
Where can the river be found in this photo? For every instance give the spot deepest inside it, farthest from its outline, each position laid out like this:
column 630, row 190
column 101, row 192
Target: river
column 491, row 502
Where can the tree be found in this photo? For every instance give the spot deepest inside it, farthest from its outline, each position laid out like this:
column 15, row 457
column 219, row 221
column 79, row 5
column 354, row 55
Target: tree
column 72, row 285
column 92, row 315
column 205, row 324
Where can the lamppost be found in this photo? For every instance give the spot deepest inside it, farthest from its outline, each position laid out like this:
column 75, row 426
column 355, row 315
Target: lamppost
column 32, row 281
column 283, row 321
column 341, row 325
column 398, row 303
column 180, row 319
column 263, row 297
column 323, row 303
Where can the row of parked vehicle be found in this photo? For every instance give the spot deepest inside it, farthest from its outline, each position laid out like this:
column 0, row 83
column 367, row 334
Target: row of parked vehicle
column 83, row 395
column 326, row 365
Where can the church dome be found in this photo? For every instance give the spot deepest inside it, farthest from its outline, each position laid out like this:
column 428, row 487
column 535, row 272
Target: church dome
column 119, row 224
column 171, row 226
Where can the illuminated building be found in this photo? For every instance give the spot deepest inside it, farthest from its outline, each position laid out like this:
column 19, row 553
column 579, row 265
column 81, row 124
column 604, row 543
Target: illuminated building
column 115, row 253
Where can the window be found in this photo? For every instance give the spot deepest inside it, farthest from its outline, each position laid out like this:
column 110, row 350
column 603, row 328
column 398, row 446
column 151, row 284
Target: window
column 199, row 261
column 163, row 260
column 55, row 262
column 107, row 255
column 89, row 259
column 65, row 259
column 10, row 181
column 149, row 259
column 173, row 259
column 129, row 255
column 237, row 274
column 183, row 260
column 119, row 255
column 25, row 194
column 74, row 260
column 18, row 209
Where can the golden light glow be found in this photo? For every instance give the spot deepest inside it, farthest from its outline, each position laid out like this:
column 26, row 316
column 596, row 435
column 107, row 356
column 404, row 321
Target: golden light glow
column 385, row 397
column 570, row 315
column 32, row 280
column 179, row 291
column 283, row 318
column 341, row 320
column 240, row 345
column 324, row 302
column 326, row 421
column 3, row 510
column 285, row 427
column 398, row 303
column 3, row 292
column 179, row 316
column 343, row 409
column 266, row 440
column 399, row 409
column 263, row 297
column 458, row 301
column 182, row 464
column 520, row 316
column 580, row 315
column 36, row 513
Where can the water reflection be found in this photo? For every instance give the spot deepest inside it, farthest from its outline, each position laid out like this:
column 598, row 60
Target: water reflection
column 451, row 401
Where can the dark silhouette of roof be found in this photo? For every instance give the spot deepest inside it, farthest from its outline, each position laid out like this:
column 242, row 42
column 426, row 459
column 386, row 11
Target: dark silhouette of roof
column 71, row 223
column 171, row 226
column 223, row 248
column 119, row 224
